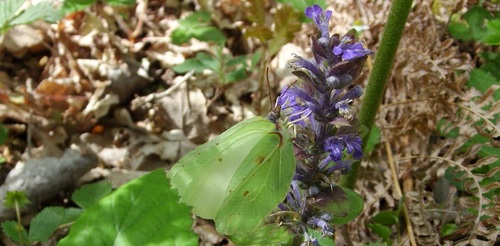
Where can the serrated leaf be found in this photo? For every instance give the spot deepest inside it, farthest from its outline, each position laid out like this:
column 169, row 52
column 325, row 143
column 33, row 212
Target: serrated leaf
column 493, row 33
column 90, row 194
column 12, row 228
column 201, row 62
column 8, row 9
column 481, row 80
column 15, row 197
column 48, row 220
column 142, row 212
column 460, row 31
column 43, row 10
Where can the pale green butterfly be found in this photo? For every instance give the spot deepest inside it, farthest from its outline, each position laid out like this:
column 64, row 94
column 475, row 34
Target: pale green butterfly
column 239, row 177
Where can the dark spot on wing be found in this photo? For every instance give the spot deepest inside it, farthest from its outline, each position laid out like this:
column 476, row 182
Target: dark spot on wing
column 220, row 159
column 246, row 193
column 260, row 159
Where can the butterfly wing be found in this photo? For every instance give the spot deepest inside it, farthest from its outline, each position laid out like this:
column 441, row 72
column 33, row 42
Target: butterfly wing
column 259, row 184
column 202, row 177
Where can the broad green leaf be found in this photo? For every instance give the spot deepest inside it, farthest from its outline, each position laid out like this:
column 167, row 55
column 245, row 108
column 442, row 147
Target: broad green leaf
column 12, row 228
column 342, row 203
column 48, row 220
column 142, row 212
column 238, row 178
column 90, row 194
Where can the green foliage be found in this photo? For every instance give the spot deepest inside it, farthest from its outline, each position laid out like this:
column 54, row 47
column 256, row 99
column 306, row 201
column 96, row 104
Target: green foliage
column 48, row 220
column 373, row 139
column 142, row 212
column 197, row 25
column 4, row 133
column 227, row 69
column 13, row 13
column 342, row 203
column 301, row 5
column 287, row 22
column 448, row 229
column 383, row 220
column 90, row 194
column 14, row 231
column 15, row 199
column 476, row 24
column 70, row 6
column 239, row 177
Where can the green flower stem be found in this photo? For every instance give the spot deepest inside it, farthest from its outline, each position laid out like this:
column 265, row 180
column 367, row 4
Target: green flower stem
column 384, row 59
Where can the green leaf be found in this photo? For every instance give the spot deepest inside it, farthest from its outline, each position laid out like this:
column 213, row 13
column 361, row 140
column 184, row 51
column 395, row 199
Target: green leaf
column 383, row 231
column 90, row 194
column 42, row 10
column 301, row 5
column 323, row 241
column 460, row 31
column 386, row 217
column 493, row 33
column 270, row 234
column 15, row 197
column 4, row 133
column 239, row 177
column 342, row 203
column 120, row 2
column 48, row 220
column 286, row 21
column 448, row 229
column 70, row 6
column 373, row 139
column 8, row 9
column 142, row 212
column 481, row 80
column 201, row 62
column 12, row 229
column 197, row 26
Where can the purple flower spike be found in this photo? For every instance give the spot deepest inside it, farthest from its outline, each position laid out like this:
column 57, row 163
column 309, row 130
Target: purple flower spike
column 321, row 20
column 351, row 51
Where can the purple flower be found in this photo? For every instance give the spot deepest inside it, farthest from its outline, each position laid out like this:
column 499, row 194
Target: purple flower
column 351, row 51
column 321, row 20
column 336, row 145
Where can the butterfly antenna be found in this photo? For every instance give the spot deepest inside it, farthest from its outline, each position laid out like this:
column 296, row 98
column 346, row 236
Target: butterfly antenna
column 269, row 87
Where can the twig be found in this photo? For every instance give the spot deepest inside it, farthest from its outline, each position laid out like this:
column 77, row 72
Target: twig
column 397, row 186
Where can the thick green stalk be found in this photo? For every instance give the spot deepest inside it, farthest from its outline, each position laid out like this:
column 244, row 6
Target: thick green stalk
column 382, row 66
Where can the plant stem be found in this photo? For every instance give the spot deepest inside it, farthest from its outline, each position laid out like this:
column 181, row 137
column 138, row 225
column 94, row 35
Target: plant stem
column 382, row 66
column 19, row 222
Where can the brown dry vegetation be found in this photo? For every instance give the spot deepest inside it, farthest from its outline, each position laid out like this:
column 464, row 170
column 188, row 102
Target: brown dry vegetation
column 100, row 81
